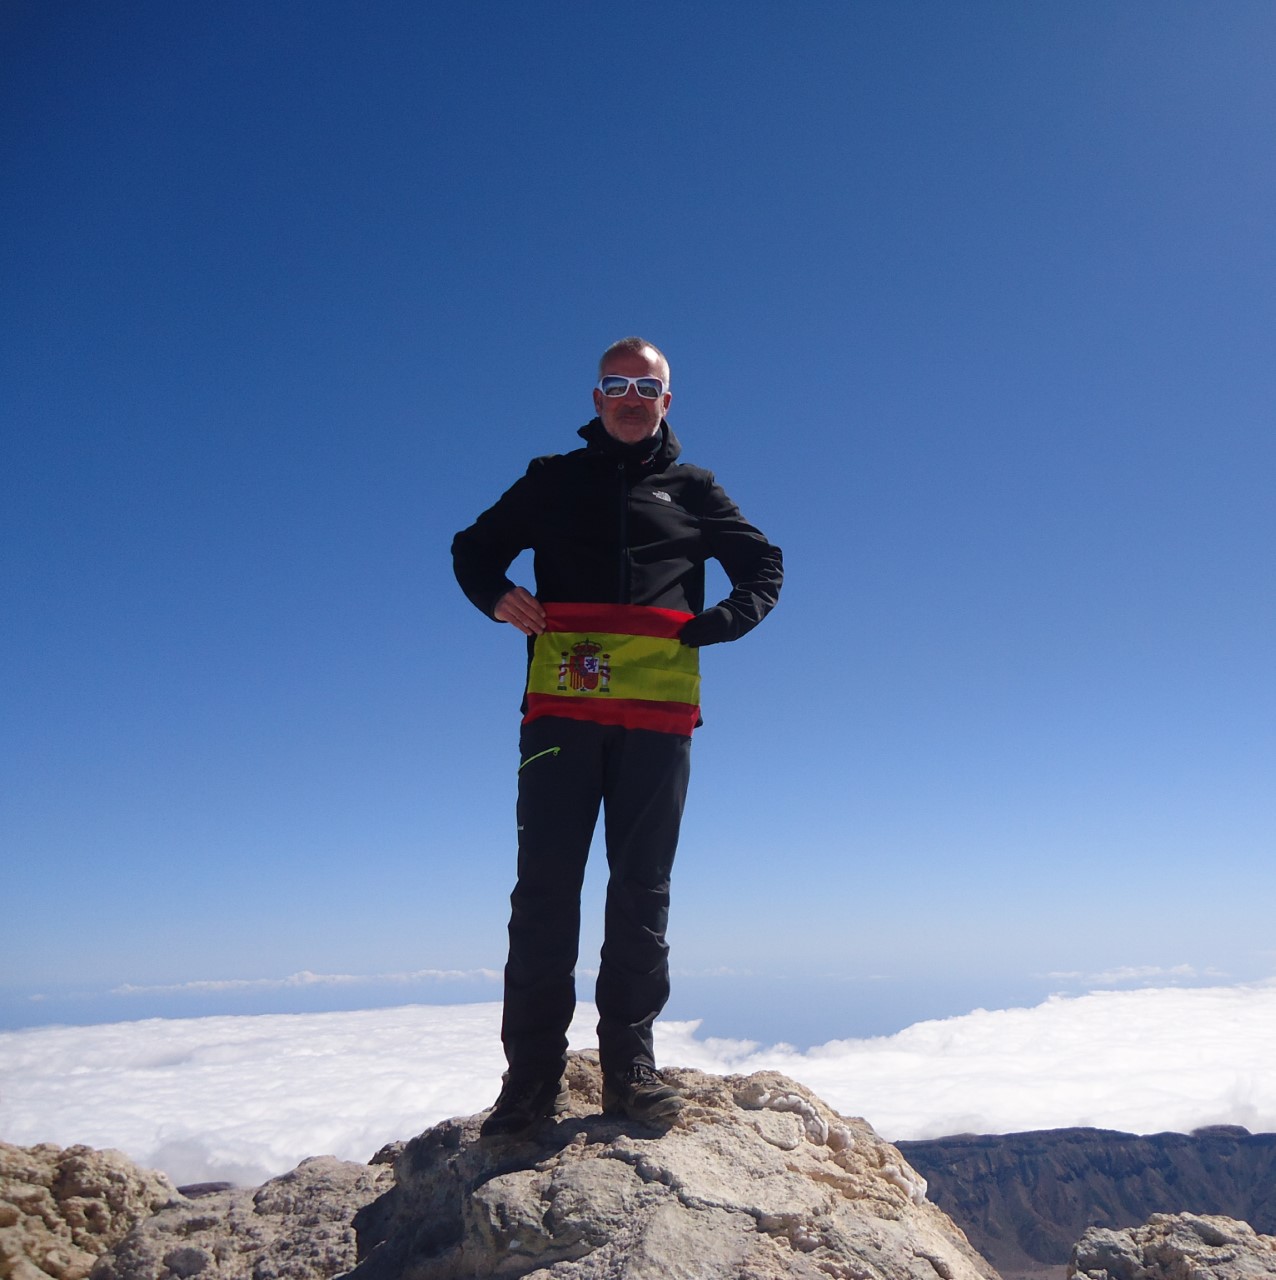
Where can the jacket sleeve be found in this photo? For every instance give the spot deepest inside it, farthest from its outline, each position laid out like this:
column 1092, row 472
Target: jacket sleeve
column 754, row 565
column 482, row 553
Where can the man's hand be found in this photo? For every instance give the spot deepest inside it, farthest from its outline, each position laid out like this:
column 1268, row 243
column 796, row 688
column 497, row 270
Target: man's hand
column 713, row 626
column 521, row 609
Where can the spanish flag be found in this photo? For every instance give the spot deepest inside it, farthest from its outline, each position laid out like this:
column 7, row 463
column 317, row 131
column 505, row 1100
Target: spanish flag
column 617, row 664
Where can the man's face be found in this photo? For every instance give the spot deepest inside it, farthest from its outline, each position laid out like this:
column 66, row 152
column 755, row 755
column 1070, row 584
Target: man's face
column 630, row 418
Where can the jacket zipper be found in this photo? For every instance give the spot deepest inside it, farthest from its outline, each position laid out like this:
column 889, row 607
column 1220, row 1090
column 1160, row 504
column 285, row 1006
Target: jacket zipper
column 623, row 576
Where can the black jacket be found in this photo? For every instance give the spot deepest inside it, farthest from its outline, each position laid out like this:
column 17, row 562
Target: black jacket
column 618, row 524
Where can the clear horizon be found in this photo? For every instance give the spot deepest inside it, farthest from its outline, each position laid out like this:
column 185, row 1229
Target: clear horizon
column 770, row 1007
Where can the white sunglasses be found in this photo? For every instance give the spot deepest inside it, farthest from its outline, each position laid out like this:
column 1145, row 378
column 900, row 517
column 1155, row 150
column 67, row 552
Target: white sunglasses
column 613, row 386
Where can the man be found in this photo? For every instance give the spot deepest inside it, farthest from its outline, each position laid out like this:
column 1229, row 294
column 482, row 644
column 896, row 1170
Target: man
column 620, row 533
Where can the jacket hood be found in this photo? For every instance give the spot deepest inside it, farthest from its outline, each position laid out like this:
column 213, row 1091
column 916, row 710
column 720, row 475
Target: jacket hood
column 665, row 446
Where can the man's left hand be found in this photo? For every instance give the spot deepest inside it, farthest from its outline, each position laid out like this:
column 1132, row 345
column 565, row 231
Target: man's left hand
column 521, row 609
column 713, row 626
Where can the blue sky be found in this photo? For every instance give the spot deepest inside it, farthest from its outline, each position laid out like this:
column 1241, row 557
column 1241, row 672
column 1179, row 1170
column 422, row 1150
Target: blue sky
column 969, row 306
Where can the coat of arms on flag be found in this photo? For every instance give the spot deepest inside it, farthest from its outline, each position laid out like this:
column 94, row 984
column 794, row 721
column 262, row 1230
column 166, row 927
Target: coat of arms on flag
column 584, row 669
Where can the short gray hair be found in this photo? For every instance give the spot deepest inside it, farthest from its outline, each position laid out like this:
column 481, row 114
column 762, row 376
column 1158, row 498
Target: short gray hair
column 638, row 346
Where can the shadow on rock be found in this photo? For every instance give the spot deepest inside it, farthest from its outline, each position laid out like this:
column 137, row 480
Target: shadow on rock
column 756, row 1178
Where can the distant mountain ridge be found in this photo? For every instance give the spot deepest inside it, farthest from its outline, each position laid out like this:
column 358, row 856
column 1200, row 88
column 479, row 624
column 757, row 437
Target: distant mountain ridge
column 1024, row 1199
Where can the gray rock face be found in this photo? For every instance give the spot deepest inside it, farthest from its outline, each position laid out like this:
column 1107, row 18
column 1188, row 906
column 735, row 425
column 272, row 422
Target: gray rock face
column 61, row 1207
column 1024, row 1199
column 756, row 1180
column 1180, row 1246
column 295, row 1227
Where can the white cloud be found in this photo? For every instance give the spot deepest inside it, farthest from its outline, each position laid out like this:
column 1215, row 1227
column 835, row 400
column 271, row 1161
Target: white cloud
column 1125, row 975
column 242, row 1098
column 305, row 978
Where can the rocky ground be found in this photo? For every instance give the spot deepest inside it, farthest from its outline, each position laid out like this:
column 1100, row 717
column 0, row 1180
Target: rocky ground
column 756, row 1180
column 1178, row 1246
column 295, row 1227
column 61, row 1208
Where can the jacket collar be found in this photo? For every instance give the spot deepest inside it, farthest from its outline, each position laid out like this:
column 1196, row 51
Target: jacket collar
column 665, row 446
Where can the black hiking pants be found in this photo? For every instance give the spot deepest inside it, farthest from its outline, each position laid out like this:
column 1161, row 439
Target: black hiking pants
column 567, row 770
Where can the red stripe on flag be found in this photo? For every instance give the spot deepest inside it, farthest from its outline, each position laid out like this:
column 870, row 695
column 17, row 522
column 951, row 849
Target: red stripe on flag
column 629, row 713
column 620, row 619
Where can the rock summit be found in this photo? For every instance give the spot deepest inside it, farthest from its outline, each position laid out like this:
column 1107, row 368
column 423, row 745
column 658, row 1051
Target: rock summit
column 756, row 1179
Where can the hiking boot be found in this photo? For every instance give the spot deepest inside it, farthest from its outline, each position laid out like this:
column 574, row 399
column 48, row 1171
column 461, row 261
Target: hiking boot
column 522, row 1103
column 641, row 1093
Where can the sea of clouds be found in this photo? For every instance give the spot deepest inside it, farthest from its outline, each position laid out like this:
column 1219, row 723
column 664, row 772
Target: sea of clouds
column 243, row 1098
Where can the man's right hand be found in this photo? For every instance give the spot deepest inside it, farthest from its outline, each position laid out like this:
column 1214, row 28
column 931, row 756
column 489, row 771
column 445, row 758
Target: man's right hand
column 521, row 609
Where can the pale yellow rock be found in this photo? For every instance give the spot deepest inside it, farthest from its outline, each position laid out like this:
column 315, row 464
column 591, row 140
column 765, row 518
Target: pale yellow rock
column 60, row 1208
